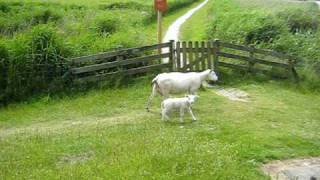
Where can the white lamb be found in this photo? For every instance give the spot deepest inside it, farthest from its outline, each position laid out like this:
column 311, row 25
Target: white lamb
column 181, row 104
column 177, row 82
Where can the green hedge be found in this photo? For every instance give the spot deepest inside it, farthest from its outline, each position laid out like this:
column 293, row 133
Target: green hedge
column 34, row 64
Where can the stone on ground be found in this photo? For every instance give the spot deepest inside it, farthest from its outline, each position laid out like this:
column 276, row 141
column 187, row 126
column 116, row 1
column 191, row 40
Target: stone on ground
column 296, row 169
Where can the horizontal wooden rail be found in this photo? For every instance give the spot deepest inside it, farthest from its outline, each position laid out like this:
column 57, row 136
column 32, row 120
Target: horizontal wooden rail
column 133, row 71
column 271, row 53
column 97, row 67
column 234, row 66
column 254, row 60
column 254, row 50
column 240, row 67
column 233, row 56
column 105, row 55
column 272, row 63
column 234, row 46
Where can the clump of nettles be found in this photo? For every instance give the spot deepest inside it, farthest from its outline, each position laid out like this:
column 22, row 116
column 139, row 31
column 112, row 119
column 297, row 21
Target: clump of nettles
column 106, row 25
column 266, row 33
column 44, row 16
column 300, row 20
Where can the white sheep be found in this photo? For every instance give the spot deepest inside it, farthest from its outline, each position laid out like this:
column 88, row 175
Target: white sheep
column 181, row 104
column 177, row 82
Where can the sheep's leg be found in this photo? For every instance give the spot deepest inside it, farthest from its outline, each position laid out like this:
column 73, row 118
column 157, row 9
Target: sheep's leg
column 193, row 117
column 181, row 114
column 165, row 95
column 164, row 115
column 153, row 93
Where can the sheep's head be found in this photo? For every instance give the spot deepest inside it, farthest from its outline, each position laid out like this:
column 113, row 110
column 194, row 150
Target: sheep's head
column 192, row 98
column 212, row 76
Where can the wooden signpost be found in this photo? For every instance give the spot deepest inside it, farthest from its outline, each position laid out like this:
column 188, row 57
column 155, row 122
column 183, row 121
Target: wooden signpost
column 160, row 6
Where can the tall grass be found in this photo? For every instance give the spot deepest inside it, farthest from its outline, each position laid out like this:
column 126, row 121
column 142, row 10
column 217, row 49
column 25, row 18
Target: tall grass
column 286, row 27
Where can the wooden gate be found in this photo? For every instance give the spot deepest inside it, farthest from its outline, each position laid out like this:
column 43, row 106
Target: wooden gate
column 195, row 55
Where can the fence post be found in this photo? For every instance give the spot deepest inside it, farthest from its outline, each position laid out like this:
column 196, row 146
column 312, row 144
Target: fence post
column 119, row 67
column 291, row 63
column 251, row 59
column 178, row 54
column 203, row 52
column 196, row 55
column 209, row 59
column 184, row 54
column 216, row 49
column 171, row 56
column 190, row 54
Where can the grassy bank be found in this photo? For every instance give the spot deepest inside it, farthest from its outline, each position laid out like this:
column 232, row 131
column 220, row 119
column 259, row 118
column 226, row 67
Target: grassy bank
column 288, row 27
column 108, row 134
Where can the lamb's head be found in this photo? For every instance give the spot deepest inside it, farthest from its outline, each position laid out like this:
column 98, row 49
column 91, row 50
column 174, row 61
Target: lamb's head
column 212, row 76
column 192, row 98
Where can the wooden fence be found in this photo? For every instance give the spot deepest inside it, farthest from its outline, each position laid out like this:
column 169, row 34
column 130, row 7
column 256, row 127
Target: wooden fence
column 122, row 62
column 197, row 56
column 179, row 56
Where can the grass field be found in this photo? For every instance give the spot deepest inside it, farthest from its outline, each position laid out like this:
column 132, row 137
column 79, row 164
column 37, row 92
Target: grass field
column 108, row 134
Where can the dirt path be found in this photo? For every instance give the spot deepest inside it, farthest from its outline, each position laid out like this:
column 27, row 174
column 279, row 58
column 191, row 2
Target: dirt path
column 174, row 28
column 51, row 127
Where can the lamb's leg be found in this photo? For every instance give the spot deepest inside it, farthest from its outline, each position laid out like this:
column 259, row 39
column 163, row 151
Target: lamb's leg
column 193, row 117
column 153, row 93
column 181, row 114
column 164, row 114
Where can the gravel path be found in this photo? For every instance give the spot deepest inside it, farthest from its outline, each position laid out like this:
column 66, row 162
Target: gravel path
column 174, row 28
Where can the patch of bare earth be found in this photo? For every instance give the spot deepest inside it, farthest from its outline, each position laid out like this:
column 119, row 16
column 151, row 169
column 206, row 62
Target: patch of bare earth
column 75, row 158
column 296, row 169
column 233, row 94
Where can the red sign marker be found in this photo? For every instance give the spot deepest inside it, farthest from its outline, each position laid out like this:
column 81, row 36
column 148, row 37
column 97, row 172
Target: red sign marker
column 161, row 5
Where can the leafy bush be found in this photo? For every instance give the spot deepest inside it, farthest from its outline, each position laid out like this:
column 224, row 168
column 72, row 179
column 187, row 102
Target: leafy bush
column 300, row 20
column 43, row 16
column 4, row 7
column 125, row 5
column 106, row 25
column 36, row 62
column 10, row 25
column 267, row 33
